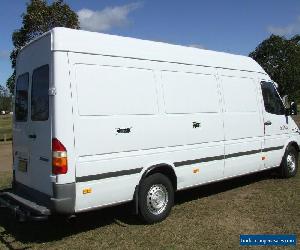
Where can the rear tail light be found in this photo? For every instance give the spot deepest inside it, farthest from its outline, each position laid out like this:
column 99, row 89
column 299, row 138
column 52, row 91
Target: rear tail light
column 59, row 158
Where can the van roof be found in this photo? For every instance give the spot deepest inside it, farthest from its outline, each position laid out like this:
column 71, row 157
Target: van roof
column 71, row 40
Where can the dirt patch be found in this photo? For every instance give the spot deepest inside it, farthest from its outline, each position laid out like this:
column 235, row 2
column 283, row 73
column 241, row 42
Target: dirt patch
column 5, row 157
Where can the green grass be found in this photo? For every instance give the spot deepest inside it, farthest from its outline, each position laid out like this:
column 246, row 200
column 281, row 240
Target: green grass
column 208, row 217
column 5, row 180
column 5, row 127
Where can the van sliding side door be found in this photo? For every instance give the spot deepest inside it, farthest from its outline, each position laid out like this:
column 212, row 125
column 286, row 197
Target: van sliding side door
column 242, row 123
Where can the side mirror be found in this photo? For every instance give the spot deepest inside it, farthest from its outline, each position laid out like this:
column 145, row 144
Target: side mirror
column 293, row 108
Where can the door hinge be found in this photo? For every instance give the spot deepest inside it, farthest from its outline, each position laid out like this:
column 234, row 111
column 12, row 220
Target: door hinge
column 52, row 91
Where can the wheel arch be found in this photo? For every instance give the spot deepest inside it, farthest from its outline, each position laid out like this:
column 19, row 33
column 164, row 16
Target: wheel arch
column 283, row 169
column 162, row 168
column 293, row 144
column 290, row 143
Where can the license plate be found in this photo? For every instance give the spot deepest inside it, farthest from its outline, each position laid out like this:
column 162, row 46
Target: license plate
column 22, row 166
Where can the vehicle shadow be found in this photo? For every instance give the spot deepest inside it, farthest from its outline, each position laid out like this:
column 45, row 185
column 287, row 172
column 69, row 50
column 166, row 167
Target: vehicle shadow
column 223, row 186
column 58, row 227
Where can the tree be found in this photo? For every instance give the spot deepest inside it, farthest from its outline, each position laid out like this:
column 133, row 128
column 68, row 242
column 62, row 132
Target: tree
column 5, row 99
column 280, row 58
column 38, row 19
column 10, row 83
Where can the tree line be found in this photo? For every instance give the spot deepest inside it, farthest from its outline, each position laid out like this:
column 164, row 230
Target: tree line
column 278, row 56
column 5, row 99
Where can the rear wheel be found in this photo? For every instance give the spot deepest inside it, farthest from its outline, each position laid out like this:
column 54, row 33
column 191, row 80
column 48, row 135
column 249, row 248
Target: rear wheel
column 156, row 198
column 289, row 164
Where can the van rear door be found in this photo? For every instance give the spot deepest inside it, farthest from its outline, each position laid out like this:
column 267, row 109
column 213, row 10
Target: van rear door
column 32, row 131
column 20, row 126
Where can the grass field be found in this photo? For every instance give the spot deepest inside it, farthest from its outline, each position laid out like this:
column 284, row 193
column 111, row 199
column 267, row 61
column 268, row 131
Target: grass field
column 208, row 217
column 5, row 127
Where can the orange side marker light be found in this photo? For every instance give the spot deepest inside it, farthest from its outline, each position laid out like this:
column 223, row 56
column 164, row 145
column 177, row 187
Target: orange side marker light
column 196, row 170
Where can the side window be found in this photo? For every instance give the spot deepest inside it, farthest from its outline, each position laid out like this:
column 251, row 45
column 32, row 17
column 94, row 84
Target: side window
column 21, row 101
column 39, row 94
column 272, row 101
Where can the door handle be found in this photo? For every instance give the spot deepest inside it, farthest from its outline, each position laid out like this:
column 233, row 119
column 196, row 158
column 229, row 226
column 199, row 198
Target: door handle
column 196, row 124
column 32, row 136
column 124, row 130
column 268, row 123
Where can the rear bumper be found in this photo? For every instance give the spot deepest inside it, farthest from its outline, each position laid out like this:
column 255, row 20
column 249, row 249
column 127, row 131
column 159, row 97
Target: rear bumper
column 29, row 204
column 63, row 200
column 22, row 208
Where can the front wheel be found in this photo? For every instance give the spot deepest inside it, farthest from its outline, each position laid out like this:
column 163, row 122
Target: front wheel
column 156, row 198
column 289, row 164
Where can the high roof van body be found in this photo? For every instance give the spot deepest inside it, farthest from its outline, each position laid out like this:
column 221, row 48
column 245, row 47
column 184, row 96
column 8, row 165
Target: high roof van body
column 101, row 120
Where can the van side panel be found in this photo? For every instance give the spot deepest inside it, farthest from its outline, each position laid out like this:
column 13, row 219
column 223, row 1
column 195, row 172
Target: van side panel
column 63, row 122
column 191, row 103
column 113, row 99
column 131, row 115
column 242, row 122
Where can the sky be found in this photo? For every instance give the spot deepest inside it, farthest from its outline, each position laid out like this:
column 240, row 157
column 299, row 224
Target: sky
column 234, row 26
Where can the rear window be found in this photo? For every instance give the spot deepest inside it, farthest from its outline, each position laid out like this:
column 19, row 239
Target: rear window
column 39, row 94
column 21, row 103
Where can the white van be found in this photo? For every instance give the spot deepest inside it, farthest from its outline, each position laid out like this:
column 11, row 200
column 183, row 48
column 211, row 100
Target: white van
column 100, row 120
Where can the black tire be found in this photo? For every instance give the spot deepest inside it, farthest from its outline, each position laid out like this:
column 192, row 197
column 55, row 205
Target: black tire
column 153, row 186
column 287, row 169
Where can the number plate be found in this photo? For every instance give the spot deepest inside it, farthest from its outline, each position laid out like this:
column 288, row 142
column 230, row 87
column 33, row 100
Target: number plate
column 22, row 166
